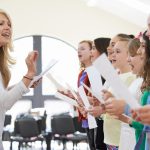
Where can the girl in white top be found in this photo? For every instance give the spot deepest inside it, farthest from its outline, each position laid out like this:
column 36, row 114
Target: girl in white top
column 8, row 96
column 136, row 63
column 115, row 107
column 119, row 60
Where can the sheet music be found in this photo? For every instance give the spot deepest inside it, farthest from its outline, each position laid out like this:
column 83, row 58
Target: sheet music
column 97, row 95
column 56, row 84
column 66, row 98
column 95, row 82
column 72, row 91
column 94, row 78
column 91, row 119
column 50, row 65
column 105, row 68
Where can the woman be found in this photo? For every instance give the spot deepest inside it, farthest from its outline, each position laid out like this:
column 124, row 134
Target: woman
column 8, row 96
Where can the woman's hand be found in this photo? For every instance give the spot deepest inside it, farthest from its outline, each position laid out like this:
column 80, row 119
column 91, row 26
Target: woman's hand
column 31, row 62
column 36, row 83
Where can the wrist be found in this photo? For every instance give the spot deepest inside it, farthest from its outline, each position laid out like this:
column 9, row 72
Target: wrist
column 130, row 121
column 28, row 77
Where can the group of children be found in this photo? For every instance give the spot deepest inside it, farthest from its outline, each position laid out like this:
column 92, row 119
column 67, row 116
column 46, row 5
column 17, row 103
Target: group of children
column 119, row 126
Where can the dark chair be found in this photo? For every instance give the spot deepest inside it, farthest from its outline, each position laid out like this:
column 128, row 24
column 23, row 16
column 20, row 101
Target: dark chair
column 7, row 120
column 28, row 132
column 78, row 125
column 6, row 132
column 63, row 129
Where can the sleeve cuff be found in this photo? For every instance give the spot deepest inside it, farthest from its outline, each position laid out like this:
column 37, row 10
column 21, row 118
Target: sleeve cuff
column 24, row 88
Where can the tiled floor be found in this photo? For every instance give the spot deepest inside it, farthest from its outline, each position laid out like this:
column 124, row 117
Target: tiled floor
column 55, row 145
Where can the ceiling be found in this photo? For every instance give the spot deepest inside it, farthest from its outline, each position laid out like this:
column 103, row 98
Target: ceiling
column 134, row 11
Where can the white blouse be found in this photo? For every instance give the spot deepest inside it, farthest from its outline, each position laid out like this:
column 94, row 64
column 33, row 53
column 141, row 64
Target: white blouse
column 127, row 137
column 7, row 99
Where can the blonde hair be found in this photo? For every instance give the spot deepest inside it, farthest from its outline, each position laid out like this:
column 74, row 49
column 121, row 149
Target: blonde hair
column 133, row 46
column 5, row 59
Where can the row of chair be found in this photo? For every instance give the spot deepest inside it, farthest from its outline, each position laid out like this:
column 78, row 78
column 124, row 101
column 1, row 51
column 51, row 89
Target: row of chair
column 63, row 128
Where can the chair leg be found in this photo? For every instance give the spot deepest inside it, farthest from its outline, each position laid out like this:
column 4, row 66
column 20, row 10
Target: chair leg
column 73, row 145
column 64, row 145
column 10, row 145
column 19, row 145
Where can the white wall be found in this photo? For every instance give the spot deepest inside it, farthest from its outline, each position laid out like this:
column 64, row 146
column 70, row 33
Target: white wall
column 69, row 20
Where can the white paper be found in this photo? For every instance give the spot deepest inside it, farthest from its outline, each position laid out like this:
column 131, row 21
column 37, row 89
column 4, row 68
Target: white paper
column 36, row 78
column 95, row 79
column 66, row 98
column 97, row 95
column 56, row 84
column 91, row 119
column 105, row 68
column 72, row 91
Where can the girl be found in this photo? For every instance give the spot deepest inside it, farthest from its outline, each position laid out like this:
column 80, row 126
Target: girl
column 119, row 61
column 139, row 114
column 84, row 55
column 99, row 46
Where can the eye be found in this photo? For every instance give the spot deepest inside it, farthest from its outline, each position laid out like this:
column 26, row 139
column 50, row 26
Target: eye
column 1, row 23
column 112, row 44
column 9, row 24
column 93, row 47
column 117, row 51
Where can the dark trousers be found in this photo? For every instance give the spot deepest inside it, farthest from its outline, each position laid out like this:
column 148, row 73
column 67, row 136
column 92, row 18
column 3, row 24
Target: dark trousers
column 90, row 135
column 99, row 136
column 96, row 137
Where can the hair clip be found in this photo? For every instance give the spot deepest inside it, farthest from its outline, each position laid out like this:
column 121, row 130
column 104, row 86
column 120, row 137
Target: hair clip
column 139, row 36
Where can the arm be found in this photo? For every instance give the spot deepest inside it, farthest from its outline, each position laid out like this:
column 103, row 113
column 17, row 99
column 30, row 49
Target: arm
column 8, row 98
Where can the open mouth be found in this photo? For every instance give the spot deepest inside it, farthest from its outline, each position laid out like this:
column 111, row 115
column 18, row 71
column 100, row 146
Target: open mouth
column 6, row 35
column 80, row 56
column 113, row 61
column 132, row 67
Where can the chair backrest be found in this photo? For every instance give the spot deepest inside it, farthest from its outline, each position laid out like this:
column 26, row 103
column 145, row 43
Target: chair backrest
column 18, row 118
column 28, row 127
column 78, row 125
column 7, row 120
column 62, row 125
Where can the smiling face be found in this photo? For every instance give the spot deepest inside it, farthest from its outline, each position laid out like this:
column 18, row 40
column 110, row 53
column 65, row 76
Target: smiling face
column 111, row 46
column 5, row 30
column 134, row 58
column 136, row 62
column 119, row 56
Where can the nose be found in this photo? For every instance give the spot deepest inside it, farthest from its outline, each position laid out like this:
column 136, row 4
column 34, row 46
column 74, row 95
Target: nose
column 109, row 48
column 128, row 59
column 7, row 26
